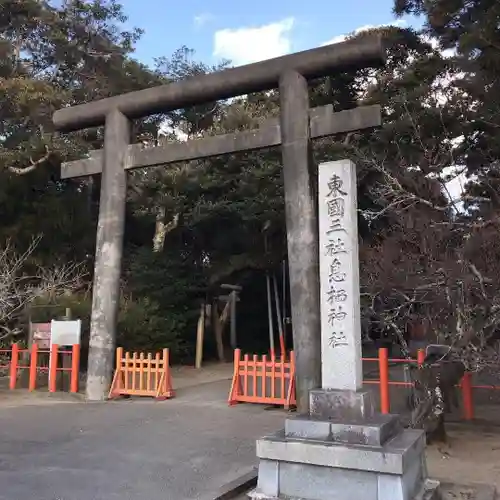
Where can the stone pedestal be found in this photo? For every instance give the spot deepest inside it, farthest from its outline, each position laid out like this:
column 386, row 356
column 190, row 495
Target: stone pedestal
column 355, row 455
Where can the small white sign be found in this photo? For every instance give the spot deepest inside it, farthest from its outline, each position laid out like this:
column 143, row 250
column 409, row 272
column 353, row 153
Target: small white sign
column 65, row 333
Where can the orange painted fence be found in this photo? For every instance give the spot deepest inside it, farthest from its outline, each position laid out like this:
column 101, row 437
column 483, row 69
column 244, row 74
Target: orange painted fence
column 36, row 366
column 384, row 381
column 466, row 386
column 272, row 381
column 140, row 374
column 263, row 380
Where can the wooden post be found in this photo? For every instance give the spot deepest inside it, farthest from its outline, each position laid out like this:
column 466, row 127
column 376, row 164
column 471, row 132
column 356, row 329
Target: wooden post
column 231, row 299
column 54, row 352
column 109, row 249
column 75, row 368
column 279, row 318
column 66, row 362
column 467, row 397
column 33, row 367
column 302, row 234
column 14, row 361
column 217, row 327
column 121, row 378
column 270, row 317
column 383, row 360
column 234, row 340
column 420, row 357
column 235, row 384
column 200, row 333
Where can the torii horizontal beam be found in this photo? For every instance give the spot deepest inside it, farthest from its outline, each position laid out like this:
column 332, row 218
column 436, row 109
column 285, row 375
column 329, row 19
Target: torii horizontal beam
column 322, row 121
column 345, row 56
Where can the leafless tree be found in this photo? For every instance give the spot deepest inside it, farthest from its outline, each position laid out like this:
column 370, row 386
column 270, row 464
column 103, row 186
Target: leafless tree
column 433, row 263
column 22, row 281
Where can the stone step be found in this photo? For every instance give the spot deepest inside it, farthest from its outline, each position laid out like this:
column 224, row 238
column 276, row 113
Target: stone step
column 373, row 431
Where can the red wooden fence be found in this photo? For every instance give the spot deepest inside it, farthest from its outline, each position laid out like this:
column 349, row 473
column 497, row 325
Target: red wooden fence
column 255, row 380
column 140, row 374
column 265, row 380
column 383, row 360
column 34, row 367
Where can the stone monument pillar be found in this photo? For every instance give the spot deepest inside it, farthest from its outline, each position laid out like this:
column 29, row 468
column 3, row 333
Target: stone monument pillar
column 342, row 449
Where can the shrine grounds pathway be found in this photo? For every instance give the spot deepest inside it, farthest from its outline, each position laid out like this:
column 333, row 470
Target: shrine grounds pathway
column 182, row 449
column 186, row 448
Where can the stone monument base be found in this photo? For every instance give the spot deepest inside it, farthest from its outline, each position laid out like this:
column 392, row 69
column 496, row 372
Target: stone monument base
column 365, row 456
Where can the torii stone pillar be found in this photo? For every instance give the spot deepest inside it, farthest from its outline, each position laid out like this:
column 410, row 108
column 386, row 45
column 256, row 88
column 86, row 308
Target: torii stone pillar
column 302, row 233
column 109, row 250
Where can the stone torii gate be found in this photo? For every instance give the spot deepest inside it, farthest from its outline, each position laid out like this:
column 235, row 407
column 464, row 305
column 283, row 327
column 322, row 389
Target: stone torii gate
column 298, row 124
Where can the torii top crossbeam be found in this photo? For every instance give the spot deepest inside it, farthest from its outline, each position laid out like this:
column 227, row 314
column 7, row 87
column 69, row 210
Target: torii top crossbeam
column 349, row 55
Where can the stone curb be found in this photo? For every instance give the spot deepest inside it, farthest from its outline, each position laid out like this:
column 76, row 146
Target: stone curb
column 237, row 486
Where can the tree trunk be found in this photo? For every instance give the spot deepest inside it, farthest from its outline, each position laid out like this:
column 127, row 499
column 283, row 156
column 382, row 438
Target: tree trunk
column 162, row 229
column 435, row 383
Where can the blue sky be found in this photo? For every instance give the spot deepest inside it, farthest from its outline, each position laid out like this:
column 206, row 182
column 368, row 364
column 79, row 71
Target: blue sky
column 248, row 31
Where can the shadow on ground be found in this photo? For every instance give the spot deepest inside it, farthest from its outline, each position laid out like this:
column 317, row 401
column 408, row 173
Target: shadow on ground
column 180, row 449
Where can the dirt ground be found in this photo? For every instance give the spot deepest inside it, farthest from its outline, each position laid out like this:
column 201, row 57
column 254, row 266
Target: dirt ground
column 471, row 456
column 188, row 376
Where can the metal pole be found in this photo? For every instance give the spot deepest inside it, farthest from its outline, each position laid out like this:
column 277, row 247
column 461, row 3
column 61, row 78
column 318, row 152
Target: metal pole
column 278, row 316
column 283, row 293
column 234, row 340
column 270, row 316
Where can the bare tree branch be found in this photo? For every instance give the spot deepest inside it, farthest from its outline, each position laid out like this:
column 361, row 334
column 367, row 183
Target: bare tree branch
column 22, row 281
column 33, row 164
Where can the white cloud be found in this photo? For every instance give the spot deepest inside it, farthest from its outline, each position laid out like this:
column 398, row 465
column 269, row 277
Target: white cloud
column 254, row 43
column 400, row 23
column 443, row 87
column 202, row 19
column 434, row 43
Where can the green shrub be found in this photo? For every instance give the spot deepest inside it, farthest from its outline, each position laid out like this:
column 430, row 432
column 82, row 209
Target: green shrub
column 142, row 325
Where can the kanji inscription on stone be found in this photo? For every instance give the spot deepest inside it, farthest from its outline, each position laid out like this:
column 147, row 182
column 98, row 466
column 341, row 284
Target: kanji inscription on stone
column 339, row 277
